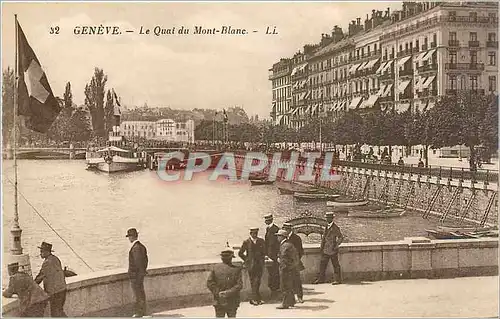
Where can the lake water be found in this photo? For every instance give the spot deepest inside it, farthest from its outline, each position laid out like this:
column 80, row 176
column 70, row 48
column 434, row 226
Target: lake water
column 176, row 221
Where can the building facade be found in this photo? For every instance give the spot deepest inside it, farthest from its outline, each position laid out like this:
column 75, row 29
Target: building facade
column 399, row 61
column 163, row 130
column 280, row 77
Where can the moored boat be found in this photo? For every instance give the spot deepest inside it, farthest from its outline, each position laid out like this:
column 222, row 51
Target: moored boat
column 114, row 159
column 347, row 202
column 381, row 213
column 291, row 189
column 258, row 182
column 309, row 197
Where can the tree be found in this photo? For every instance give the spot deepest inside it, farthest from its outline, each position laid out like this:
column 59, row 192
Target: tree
column 109, row 112
column 94, row 100
column 68, row 97
column 460, row 119
column 79, row 126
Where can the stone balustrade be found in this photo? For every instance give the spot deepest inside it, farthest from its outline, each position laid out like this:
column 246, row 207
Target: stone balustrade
column 184, row 285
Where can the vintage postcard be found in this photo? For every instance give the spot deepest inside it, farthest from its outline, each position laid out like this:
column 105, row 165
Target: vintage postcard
column 250, row 159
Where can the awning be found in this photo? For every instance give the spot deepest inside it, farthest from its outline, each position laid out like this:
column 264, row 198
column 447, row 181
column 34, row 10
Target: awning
column 387, row 90
column 428, row 55
column 279, row 118
column 296, row 85
column 315, row 107
column 298, row 68
column 353, row 68
column 308, row 108
column 370, row 102
column 381, row 67
column 402, row 61
column 363, row 66
column 381, row 91
column 430, row 105
column 303, row 83
column 295, row 111
column 427, row 82
column 402, row 107
column 355, row 102
column 371, row 63
column 307, row 95
column 334, row 106
column 388, row 65
column 420, row 56
column 403, row 85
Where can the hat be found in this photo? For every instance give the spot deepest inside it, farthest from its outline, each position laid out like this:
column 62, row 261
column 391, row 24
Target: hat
column 268, row 216
column 329, row 214
column 45, row 246
column 13, row 265
column 282, row 232
column 254, row 229
column 227, row 252
column 287, row 225
column 132, row 232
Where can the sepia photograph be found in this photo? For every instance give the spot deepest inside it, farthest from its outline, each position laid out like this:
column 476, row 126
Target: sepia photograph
column 250, row 159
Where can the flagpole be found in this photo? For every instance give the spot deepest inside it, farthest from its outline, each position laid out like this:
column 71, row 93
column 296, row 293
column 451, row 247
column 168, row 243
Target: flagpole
column 16, row 248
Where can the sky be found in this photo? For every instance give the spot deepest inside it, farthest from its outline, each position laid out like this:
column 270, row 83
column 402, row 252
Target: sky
column 177, row 71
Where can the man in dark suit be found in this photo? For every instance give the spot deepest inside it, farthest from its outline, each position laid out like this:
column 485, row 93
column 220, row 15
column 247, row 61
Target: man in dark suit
column 137, row 265
column 54, row 281
column 332, row 238
column 288, row 262
column 253, row 253
column 225, row 283
column 32, row 298
column 272, row 248
column 296, row 241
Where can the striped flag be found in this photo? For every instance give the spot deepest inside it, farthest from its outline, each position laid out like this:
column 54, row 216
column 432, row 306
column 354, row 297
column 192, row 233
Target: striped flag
column 116, row 109
column 36, row 102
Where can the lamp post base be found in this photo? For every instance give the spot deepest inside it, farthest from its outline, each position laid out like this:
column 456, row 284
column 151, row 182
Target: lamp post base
column 24, row 262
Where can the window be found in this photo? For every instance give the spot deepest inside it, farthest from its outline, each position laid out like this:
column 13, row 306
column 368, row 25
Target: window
column 473, row 57
column 453, row 36
column 434, row 39
column 473, row 82
column 375, row 48
column 452, row 82
column 492, row 36
column 417, row 44
column 492, row 80
column 472, row 36
column 473, row 17
column 453, row 57
column 463, row 85
column 492, row 58
column 400, row 47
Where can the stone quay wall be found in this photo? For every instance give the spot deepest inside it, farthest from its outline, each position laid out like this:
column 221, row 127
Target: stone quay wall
column 455, row 199
column 184, row 285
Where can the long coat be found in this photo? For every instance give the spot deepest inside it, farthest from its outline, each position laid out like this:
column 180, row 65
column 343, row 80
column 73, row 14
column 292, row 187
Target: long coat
column 52, row 275
column 226, row 278
column 28, row 291
column 332, row 237
column 288, row 264
column 296, row 241
column 272, row 244
column 137, row 261
column 253, row 255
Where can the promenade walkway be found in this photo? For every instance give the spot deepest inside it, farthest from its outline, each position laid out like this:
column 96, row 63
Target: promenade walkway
column 474, row 297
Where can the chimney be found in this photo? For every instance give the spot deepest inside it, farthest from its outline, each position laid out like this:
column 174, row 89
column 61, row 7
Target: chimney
column 358, row 20
column 373, row 13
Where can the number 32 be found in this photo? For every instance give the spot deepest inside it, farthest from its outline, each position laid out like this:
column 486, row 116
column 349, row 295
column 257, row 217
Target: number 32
column 54, row 30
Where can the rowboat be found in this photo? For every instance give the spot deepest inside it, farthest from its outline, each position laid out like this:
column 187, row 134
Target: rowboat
column 465, row 229
column 292, row 190
column 309, row 197
column 347, row 202
column 258, row 182
column 381, row 213
column 444, row 232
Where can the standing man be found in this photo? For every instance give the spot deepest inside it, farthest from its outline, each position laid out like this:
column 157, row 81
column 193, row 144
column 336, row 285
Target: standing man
column 54, row 282
column 288, row 262
column 332, row 238
column 272, row 248
column 296, row 241
column 225, row 283
column 32, row 298
column 253, row 253
column 137, row 265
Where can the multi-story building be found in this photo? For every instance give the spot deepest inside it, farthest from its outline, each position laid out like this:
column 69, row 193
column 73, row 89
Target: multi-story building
column 164, row 129
column 397, row 61
column 280, row 75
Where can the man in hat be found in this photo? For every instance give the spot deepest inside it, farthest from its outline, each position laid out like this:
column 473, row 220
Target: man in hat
column 225, row 283
column 54, row 281
column 332, row 238
column 288, row 262
column 32, row 298
column 137, row 265
column 253, row 253
column 296, row 241
column 272, row 248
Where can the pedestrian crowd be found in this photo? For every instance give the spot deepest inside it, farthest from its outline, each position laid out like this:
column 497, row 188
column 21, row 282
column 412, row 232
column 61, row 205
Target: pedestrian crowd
column 280, row 251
